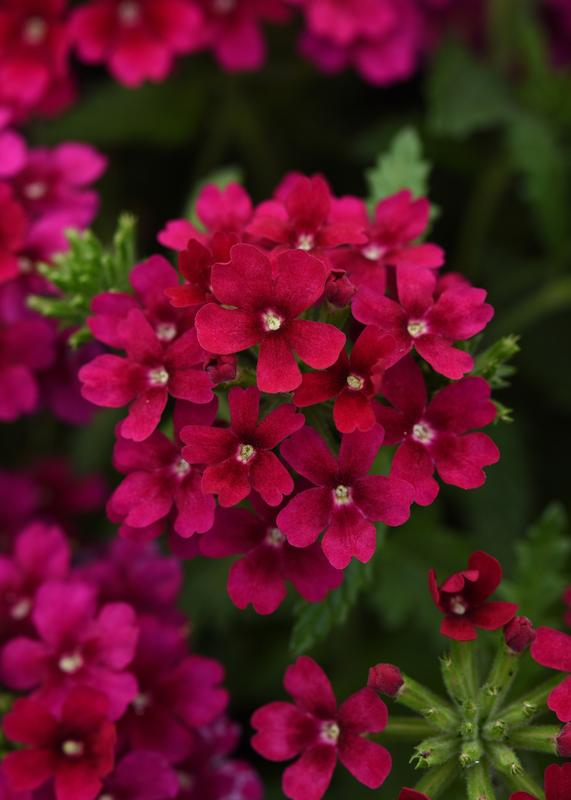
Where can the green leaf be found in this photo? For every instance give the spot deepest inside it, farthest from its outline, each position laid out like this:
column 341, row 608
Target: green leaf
column 493, row 364
column 85, row 270
column 542, row 566
column 464, row 95
column 315, row 621
column 402, row 167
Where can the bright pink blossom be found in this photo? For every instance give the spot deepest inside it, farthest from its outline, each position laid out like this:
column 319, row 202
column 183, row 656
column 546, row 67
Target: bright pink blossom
column 557, row 779
column 322, row 732
column 428, row 317
column 435, row 435
column 240, row 458
column 76, row 646
column 353, row 381
column 13, row 226
column 463, row 599
column 137, row 39
column 346, row 501
column 552, row 649
column 160, row 481
column 267, row 300
column 76, row 748
column 268, row 560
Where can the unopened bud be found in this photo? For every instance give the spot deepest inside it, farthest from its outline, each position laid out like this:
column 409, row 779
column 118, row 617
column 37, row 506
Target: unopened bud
column 339, row 290
column 519, row 634
column 563, row 741
column 386, row 679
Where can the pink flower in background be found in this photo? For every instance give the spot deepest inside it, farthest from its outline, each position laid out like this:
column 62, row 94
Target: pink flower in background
column 76, row 748
column 434, row 435
column 13, row 226
column 240, row 458
column 267, row 300
column 137, row 39
column 141, row 775
column 463, row 599
column 552, row 649
column 346, row 501
column 76, row 646
column 429, row 318
column 259, row 577
column 353, row 381
column 320, row 732
column 160, row 481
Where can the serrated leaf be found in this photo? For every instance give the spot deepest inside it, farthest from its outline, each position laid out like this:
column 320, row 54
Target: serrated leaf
column 402, row 167
column 465, row 95
column 542, row 566
column 315, row 621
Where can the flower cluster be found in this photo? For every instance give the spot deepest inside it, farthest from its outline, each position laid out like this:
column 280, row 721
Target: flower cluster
column 474, row 733
column 304, row 337
column 43, row 192
column 112, row 702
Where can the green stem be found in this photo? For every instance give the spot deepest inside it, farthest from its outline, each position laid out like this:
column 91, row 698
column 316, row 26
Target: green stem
column 525, row 708
column 431, row 706
column 459, row 673
column 433, row 752
column 505, row 760
column 501, row 676
column 478, row 783
column 405, row 729
column 437, row 780
column 541, row 738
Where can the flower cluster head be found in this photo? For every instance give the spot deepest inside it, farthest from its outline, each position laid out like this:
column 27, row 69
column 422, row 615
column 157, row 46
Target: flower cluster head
column 113, row 702
column 286, row 348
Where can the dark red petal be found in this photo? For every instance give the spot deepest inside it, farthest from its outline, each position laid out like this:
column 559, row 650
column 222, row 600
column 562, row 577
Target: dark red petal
column 552, row 649
column 311, row 689
column 363, row 712
column 282, row 731
column 367, row 761
column 494, row 615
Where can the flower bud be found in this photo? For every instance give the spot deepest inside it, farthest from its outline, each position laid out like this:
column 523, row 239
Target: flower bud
column 563, row 741
column 386, row 679
column 519, row 634
column 339, row 290
column 221, row 368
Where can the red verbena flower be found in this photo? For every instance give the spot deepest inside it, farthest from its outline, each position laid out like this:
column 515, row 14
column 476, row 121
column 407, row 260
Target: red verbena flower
column 266, row 300
column 434, row 435
column 195, row 265
column 240, row 458
column 552, row 649
column 268, row 560
column 322, row 732
column 463, row 599
column 428, row 317
column 557, row 780
column 141, row 775
column 346, row 500
column 76, row 748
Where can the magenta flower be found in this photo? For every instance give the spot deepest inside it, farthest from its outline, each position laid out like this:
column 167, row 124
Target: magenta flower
column 137, row 39
column 412, row 794
column 268, row 560
column 429, row 318
column 353, row 381
column 240, row 458
column 151, row 371
column 552, row 649
column 463, row 599
column 267, row 299
column 398, row 223
column 301, row 217
column 76, row 749
column 195, row 264
column 40, row 554
column 75, row 647
column 434, row 435
column 13, row 226
column 346, row 501
column 141, row 775
column 315, row 727
column 557, row 780
column 160, row 481
column 177, row 692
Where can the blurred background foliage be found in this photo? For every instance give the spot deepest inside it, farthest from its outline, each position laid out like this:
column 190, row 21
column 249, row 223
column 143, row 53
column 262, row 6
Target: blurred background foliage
column 496, row 128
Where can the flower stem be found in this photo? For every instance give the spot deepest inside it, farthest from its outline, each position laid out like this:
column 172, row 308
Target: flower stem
column 405, row 729
column 460, row 676
column 434, row 751
column 541, row 738
column 438, row 779
column 500, row 678
column 431, row 706
column 478, row 782
column 525, row 708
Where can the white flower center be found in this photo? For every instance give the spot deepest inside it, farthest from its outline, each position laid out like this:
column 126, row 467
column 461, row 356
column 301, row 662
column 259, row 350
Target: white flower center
column 245, row 453
column 274, row 537
column 330, row 732
column 422, row 433
column 21, row 609
column 417, row 328
column 306, row 241
column 105, row 796
column 72, row 748
column 71, row 663
column 355, row 382
column 141, row 703
column 373, row 251
column 181, row 468
column 342, row 495
column 35, row 190
column 158, row 377
column 166, row 331
column 129, row 12
column 458, row 605
column 271, row 321
column 25, row 265
column 35, row 30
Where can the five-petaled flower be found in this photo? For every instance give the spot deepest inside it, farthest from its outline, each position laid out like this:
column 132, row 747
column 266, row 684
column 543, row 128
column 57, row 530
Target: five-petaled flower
column 240, row 458
column 322, row 732
column 345, row 500
column 552, row 649
column 463, row 599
